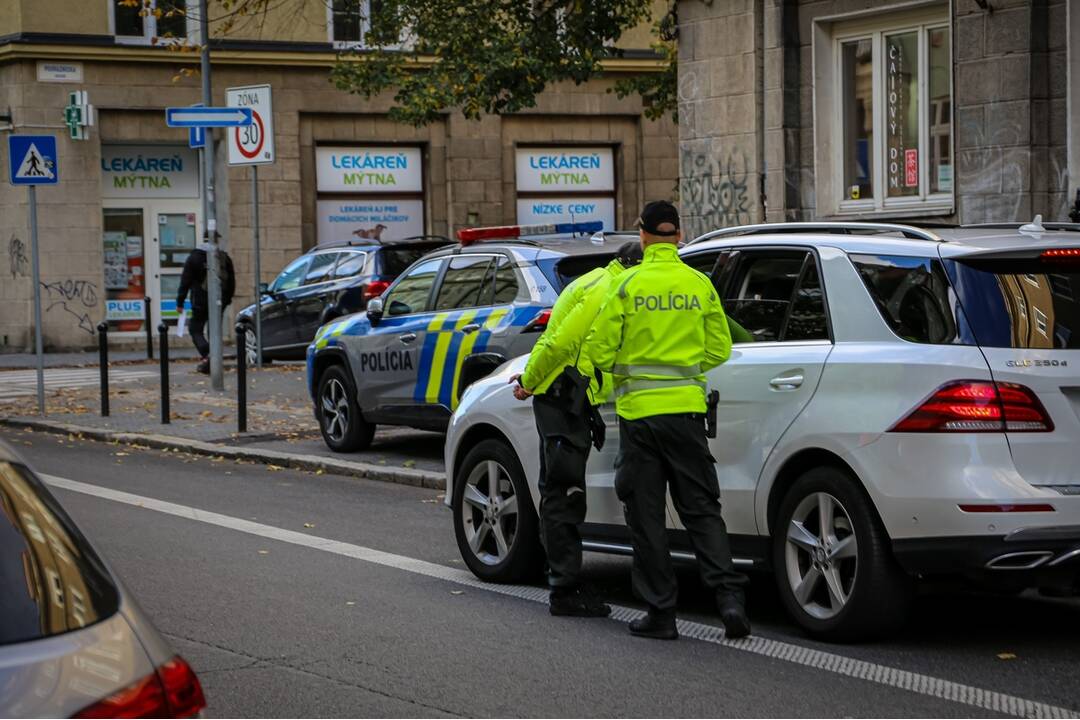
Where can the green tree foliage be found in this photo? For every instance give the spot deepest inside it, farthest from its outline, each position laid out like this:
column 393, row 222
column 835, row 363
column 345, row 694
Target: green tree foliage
column 485, row 56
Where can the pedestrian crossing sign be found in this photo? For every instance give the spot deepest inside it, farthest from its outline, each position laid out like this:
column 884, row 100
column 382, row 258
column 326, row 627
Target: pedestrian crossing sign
column 32, row 160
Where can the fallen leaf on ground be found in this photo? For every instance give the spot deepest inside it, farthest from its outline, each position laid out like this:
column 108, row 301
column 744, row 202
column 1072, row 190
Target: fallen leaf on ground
column 264, row 552
column 1006, row 656
column 274, row 468
column 457, row 592
column 349, row 602
column 309, row 525
column 320, row 471
column 409, row 463
column 121, row 454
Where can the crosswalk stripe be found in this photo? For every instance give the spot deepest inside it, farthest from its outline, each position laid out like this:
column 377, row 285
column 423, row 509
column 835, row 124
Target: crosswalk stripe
column 23, row 383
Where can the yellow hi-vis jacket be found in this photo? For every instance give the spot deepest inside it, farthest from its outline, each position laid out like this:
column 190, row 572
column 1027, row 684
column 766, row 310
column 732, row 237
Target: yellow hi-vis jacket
column 661, row 328
column 571, row 319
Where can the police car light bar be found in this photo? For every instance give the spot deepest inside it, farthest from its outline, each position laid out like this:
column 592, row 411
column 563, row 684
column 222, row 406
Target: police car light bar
column 468, row 236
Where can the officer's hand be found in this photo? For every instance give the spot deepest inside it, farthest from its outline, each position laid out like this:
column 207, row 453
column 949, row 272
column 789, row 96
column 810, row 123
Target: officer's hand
column 515, row 379
column 521, row 393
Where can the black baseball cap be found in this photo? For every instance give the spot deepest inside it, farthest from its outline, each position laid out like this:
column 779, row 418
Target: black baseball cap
column 657, row 213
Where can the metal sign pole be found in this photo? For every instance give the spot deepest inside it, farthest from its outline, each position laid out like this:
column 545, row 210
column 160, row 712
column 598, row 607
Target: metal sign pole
column 258, row 269
column 213, row 280
column 36, row 263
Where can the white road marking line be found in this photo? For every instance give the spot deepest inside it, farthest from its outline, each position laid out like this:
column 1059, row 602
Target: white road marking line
column 928, row 685
column 22, row 383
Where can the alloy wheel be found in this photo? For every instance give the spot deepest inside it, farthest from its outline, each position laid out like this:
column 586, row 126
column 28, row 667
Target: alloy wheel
column 490, row 512
column 821, row 555
column 335, row 410
column 251, row 352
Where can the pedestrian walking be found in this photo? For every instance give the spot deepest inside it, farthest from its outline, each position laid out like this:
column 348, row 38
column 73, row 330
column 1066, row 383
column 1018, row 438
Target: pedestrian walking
column 564, row 405
column 661, row 328
column 193, row 280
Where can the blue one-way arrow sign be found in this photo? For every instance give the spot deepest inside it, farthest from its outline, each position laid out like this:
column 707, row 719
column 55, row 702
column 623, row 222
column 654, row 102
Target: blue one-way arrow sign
column 205, row 117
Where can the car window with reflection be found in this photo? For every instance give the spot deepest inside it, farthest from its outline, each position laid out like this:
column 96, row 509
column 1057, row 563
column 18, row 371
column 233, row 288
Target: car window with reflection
column 912, row 294
column 51, row 581
column 412, row 293
column 292, row 275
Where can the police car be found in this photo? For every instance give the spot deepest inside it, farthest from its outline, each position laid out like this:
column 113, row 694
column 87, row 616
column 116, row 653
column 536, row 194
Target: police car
column 905, row 405
column 451, row 318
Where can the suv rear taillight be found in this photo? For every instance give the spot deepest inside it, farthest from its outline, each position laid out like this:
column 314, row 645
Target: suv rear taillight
column 375, row 288
column 172, row 691
column 978, row 406
column 538, row 323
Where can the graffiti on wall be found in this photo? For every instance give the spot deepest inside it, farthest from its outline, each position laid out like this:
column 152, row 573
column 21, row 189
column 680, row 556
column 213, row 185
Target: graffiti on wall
column 714, row 192
column 73, row 297
column 17, row 256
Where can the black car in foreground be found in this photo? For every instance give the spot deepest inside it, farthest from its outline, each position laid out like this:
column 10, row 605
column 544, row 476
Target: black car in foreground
column 325, row 283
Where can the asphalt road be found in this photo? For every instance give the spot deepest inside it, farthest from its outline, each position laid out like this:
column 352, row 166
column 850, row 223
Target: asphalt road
column 295, row 594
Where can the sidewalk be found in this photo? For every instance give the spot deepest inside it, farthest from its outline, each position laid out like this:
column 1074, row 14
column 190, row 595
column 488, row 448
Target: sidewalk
column 25, row 361
column 281, row 430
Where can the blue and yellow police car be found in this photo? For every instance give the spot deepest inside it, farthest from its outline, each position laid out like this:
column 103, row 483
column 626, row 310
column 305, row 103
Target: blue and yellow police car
column 451, row 318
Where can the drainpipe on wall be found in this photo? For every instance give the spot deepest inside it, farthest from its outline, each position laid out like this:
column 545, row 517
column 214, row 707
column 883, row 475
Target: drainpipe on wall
column 1072, row 104
column 759, row 61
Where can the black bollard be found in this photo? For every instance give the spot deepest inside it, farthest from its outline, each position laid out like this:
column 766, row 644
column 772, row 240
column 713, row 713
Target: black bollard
column 241, row 378
column 163, row 341
column 103, row 365
column 149, row 329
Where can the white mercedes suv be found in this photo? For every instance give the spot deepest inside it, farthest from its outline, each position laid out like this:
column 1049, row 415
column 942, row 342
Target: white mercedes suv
column 909, row 408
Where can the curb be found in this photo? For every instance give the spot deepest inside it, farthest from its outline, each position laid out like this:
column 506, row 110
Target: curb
column 348, row 468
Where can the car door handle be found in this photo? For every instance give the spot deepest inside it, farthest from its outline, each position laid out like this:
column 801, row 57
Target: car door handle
column 407, row 338
column 786, row 382
column 470, row 328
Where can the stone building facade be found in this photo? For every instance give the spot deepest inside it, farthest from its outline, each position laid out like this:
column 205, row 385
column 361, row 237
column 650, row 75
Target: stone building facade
column 955, row 111
column 128, row 206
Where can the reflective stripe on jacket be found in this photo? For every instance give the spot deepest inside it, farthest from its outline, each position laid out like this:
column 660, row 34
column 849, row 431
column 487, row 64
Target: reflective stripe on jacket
column 571, row 319
column 661, row 328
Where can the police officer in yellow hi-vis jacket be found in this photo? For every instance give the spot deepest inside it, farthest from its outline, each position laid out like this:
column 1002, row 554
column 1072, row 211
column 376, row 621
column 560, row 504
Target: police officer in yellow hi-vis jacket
column 563, row 404
column 661, row 328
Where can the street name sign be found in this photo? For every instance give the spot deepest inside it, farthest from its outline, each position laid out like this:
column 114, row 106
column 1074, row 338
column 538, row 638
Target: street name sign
column 32, row 159
column 189, row 117
column 254, row 143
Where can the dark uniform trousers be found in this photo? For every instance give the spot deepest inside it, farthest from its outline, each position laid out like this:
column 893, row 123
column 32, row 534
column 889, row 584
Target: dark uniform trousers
column 655, row 452
column 196, row 326
column 564, row 450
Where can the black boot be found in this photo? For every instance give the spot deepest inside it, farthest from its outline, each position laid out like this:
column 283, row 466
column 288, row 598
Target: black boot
column 733, row 615
column 658, row 624
column 576, row 602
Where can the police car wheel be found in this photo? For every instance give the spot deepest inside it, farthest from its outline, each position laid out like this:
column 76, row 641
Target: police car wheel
column 343, row 427
column 833, row 560
column 494, row 520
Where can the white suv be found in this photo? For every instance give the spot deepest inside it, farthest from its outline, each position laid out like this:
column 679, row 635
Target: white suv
column 910, row 407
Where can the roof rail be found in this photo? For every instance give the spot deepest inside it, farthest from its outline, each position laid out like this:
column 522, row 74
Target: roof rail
column 825, row 228
column 1067, row 226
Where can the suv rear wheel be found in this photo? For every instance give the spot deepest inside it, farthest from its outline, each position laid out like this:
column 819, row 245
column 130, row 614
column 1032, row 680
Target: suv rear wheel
column 833, row 562
column 494, row 521
column 343, row 427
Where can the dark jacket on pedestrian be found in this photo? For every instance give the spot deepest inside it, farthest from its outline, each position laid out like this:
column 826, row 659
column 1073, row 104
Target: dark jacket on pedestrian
column 193, row 279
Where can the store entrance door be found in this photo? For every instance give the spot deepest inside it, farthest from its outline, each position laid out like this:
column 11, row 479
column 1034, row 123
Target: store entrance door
column 145, row 245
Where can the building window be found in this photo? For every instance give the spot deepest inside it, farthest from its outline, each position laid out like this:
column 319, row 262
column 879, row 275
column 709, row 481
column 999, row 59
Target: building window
column 891, row 90
column 369, row 194
column 348, row 22
column 565, row 185
column 148, row 22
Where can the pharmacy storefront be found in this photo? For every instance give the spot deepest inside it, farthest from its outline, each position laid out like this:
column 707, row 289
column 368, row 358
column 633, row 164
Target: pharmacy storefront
column 565, row 184
column 369, row 194
column 151, row 213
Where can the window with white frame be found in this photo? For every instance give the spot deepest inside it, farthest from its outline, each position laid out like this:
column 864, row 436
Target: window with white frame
column 348, row 22
column 144, row 22
column 887, row 141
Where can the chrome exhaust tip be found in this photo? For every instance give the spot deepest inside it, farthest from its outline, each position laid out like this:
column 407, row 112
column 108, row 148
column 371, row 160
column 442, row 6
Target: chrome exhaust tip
column 1027, row 560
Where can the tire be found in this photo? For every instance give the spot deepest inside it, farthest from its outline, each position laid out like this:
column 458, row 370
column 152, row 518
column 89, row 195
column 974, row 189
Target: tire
column 872, row 593
column 342, row 425
column 519, row 556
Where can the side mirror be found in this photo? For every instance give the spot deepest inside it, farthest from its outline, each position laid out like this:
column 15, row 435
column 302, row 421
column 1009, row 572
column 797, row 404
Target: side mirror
column 375, row 310
column 264, row 288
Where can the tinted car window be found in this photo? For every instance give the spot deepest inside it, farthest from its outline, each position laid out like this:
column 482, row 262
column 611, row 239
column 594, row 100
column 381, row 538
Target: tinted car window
column 350, row 264
column 51, row 581
column 1019, row 303
column 808, row 320
column 411, row 294
column 912, row 295
column 292, row 275
column 760, row 297
column 396, row 259
column 320, row 268
column 709, row 263
column 501, row 286
column 462, row 283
